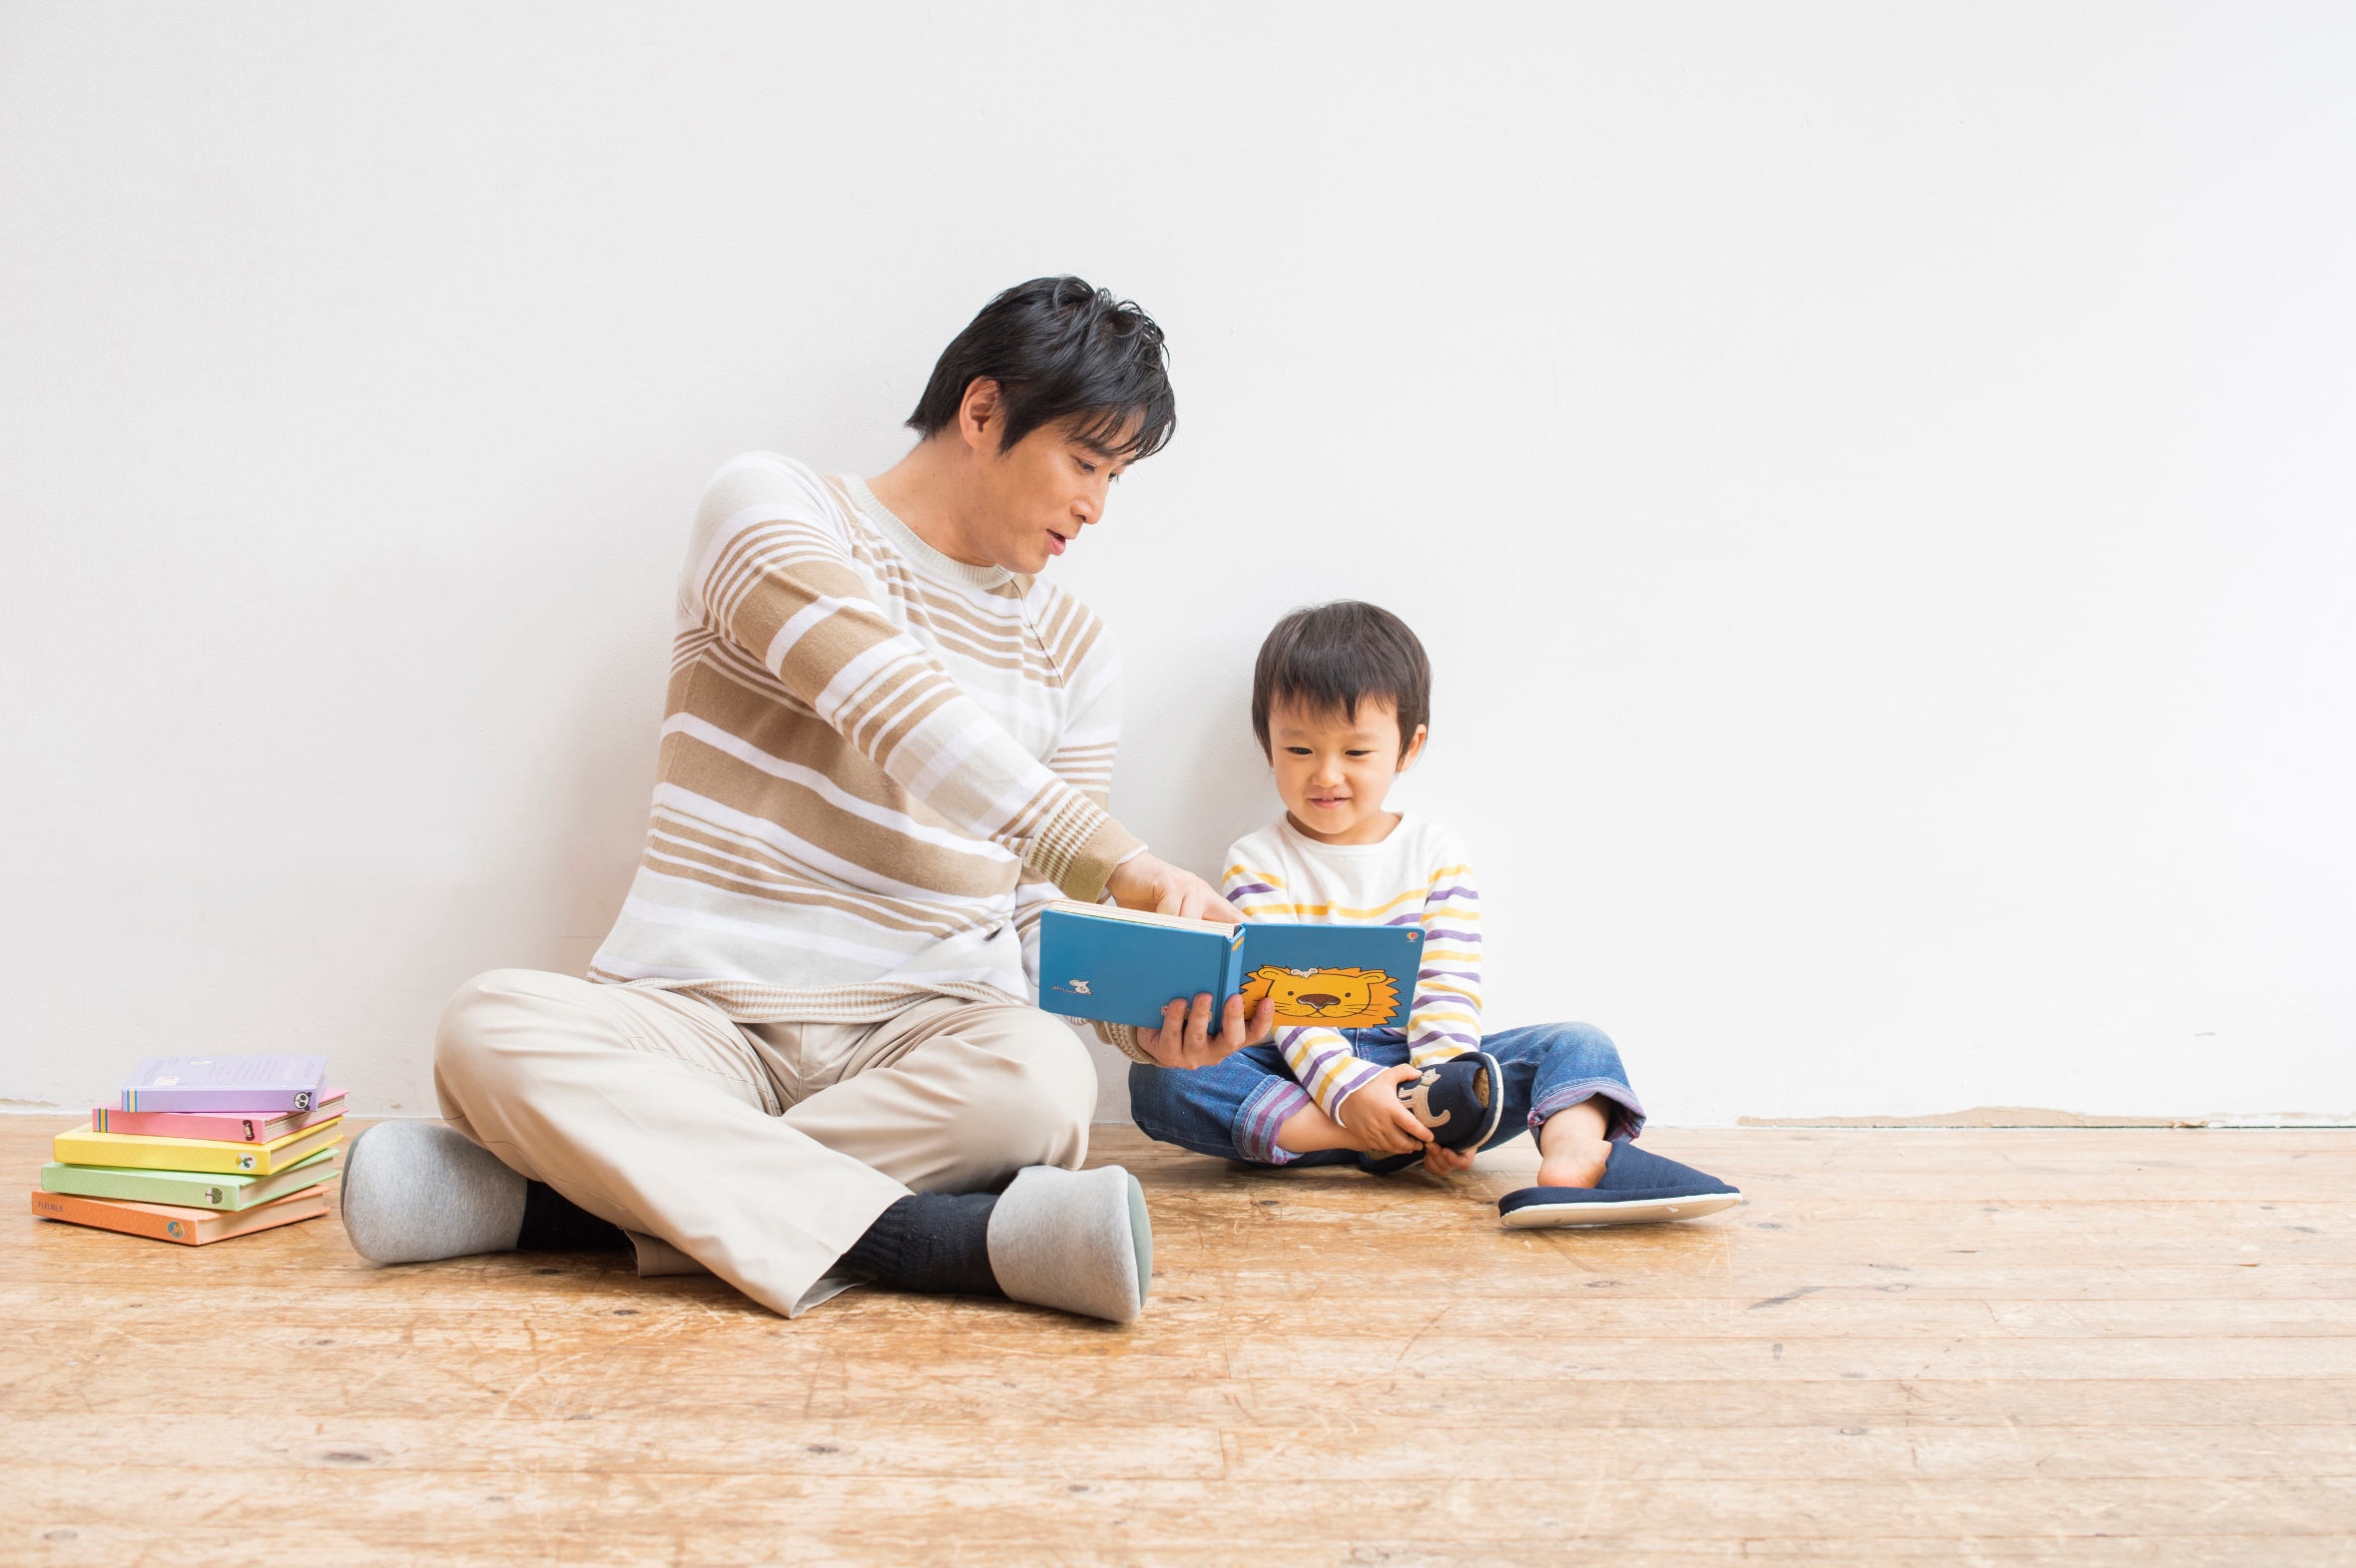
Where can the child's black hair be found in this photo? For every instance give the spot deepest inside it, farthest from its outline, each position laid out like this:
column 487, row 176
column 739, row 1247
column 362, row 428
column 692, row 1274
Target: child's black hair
column 1332, row 657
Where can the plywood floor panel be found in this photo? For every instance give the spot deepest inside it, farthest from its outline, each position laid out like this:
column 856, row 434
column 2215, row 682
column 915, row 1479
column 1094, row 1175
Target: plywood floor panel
column 1971, row 1347
column 1276, row 1451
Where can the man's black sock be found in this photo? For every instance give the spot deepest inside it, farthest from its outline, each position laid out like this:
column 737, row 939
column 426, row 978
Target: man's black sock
column 935, row 1243
column 553, row 1223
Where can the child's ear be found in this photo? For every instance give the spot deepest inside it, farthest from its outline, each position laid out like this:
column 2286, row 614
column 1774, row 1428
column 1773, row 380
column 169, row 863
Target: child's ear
column 1415, row 748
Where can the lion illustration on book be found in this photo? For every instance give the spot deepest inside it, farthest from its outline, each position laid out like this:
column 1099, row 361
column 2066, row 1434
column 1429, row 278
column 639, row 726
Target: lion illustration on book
column 1338, row 998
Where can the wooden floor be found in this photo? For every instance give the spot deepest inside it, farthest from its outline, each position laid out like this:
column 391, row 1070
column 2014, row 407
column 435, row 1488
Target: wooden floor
column 2104, row 1348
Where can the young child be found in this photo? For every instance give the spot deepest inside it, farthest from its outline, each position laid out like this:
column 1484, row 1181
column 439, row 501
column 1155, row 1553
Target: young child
column 1341, row 700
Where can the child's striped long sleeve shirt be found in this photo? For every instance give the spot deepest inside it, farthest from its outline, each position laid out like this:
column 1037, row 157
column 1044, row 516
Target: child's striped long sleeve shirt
column 1419, row 876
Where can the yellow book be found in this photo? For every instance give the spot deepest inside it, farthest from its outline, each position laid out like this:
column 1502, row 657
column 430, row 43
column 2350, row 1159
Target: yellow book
column 143, row 1152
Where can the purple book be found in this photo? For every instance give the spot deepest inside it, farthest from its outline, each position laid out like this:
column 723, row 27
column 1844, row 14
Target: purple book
column 225, row 1082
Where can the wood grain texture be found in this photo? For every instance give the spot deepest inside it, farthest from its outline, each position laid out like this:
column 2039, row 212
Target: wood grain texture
column 1911, row 1347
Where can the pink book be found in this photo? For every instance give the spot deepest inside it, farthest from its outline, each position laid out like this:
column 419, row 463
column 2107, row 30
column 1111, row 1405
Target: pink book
column 232, row 1127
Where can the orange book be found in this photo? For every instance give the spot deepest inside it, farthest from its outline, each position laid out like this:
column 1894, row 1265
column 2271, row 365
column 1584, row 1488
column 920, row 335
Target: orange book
column 171, row 1222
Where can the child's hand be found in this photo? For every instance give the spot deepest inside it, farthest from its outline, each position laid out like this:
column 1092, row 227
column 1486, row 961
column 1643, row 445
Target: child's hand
column 1374, row 1117
column 1447, row 1162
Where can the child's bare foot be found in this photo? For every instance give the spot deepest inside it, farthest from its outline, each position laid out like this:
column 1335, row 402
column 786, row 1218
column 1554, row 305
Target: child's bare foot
column 1572, row 1148
column 1573, row 1161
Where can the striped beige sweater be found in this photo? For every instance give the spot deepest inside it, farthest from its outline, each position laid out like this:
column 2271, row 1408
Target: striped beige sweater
column 877, row 765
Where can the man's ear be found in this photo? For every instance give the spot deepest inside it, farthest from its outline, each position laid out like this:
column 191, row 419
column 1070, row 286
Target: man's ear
column 1415, row 748
column 980, row 414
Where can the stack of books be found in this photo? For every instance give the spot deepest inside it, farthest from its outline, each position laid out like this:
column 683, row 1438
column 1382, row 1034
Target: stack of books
column 202, row 1148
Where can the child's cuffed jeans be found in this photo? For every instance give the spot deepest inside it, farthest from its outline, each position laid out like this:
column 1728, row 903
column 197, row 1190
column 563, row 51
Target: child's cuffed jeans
column 1232, row 1110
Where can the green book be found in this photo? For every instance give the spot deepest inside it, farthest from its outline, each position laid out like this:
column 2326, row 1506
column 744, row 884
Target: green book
column 187, row 1189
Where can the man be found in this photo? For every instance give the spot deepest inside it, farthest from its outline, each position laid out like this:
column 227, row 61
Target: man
column 805, row 1057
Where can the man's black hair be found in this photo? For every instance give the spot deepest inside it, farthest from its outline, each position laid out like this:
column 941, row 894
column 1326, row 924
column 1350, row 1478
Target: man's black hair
column 1330, row 657
column 1061, row 349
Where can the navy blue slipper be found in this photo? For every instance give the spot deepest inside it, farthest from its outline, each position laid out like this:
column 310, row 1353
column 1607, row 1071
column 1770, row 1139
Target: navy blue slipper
column 1459, row 1100
column 1637, row 1188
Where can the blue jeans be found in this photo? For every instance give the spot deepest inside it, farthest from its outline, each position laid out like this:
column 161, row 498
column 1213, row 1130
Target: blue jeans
column 1232, row 1109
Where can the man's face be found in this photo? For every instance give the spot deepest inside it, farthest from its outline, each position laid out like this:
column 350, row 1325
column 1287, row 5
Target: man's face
column 1038, row 494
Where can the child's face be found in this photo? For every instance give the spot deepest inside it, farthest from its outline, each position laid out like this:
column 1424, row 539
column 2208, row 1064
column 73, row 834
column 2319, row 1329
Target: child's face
column 1333, row 772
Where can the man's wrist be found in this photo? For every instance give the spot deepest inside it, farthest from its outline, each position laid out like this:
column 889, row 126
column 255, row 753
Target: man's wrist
column 1112, row 874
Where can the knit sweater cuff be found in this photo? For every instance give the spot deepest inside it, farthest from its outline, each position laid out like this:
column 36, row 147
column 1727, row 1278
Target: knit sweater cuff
column 1077, row 847
column 1123, row 1038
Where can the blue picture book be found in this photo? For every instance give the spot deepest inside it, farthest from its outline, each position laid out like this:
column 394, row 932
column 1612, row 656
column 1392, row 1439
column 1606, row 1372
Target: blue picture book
column 1124, row 966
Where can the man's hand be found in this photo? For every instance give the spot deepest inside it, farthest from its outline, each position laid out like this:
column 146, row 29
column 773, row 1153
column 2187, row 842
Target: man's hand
column 1372, row 1114
column 1144, row 881
column 1184, row 1039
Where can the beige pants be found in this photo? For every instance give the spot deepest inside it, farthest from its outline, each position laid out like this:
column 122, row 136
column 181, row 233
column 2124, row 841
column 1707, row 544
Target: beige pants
column 761, row 1151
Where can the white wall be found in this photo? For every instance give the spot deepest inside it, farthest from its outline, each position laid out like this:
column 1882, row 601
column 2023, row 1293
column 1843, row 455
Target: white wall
column 1876, row 482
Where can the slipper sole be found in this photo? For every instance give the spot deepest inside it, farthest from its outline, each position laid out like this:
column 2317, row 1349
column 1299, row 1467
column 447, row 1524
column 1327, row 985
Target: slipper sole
column 1636, row 1210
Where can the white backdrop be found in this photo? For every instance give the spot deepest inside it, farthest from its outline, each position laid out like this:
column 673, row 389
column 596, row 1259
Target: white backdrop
column 1877, row 483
